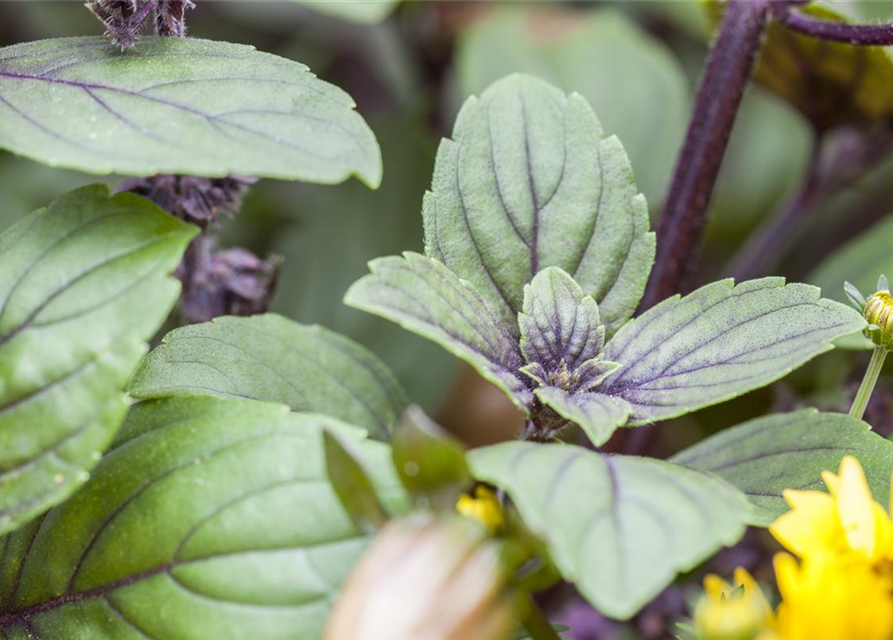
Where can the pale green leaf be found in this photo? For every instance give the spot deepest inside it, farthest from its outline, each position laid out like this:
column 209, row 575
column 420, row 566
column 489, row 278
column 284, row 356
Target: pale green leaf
column 363, row 11
column 179, row 105
column 352, row 485
column 596, row 414
column 632, row 79
column 618, row 527
column 271, row 358
column 84, row 284
column 831, row 83
column 720, row 342
column 763, row 457
column 527, row 182
column 209, row 518
column 426, row 298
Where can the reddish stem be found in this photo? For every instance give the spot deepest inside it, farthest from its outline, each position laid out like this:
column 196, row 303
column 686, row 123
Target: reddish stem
column 858, row 34
column 728, row 70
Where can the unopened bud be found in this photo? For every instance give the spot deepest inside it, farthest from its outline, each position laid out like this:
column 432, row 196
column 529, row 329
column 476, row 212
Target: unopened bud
column 426, row 577
column 879, row 314
column 725, row 612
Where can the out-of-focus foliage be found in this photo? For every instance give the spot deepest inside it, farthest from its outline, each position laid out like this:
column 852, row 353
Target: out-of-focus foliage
column 371, row 11
column 630, row 78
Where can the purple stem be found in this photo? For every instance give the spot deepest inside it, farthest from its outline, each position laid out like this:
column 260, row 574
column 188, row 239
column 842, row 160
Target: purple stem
column 859, row 34
column 728, row 70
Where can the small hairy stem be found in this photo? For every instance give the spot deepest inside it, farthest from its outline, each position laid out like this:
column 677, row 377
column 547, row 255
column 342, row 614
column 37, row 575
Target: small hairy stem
column 871, row 375
column 537, row 625
column 858, row 34
column 768, row 244
column 719, row 96
column 170, row 17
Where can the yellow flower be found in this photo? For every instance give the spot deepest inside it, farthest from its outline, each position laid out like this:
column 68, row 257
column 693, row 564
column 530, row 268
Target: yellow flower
column 824, row 598
column 842, row 588
column 846, row 523
column 733, row 613
column 483, row 507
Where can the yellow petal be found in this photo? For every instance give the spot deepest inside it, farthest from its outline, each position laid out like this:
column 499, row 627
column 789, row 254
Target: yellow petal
column 715, row 587
column 812, row 526
column 856, row 507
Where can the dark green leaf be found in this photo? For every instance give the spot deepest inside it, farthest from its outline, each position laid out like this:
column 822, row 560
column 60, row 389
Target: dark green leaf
column 179, row 105
column 352, row 486
column 765, row 456
column 426, row 298
column 83, row 284
column 431, row 463
column 271, row 358
column 210, row 518
column 619, row 527
column 527, row 182
column 720, row 342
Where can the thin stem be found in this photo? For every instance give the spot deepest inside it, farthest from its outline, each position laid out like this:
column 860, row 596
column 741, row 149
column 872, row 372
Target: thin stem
column 768, row 244
column 858, row 34
column 537, row 625
column 719, row 96
column 868, row 382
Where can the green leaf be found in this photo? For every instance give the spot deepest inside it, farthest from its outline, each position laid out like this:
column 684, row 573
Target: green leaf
column 619, row 527
column 763, row 457
column 210, row 518
column 179, row 105
column 353, row 486
column 596, row 414
column 431, row 463
column 527, row 182
column 860, row 261
column 559, row 325
column 83, row 284
column 364, row 11
column 720, row 342
column 271, row 358
column 649, row 114
column 426, row 298
column 832, row 84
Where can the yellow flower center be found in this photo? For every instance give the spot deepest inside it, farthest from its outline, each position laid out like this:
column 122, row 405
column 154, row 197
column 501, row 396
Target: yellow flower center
column 484, row 507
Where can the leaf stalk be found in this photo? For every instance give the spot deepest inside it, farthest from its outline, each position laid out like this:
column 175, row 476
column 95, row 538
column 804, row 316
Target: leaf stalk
column 857, row 34
column 537, row 625
column 868, row 382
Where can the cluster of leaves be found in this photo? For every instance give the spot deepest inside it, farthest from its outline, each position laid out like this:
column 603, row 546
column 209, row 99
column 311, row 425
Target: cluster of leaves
column 221, row 508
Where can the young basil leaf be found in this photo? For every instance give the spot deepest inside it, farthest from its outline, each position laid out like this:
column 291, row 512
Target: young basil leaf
column 559, row 325
column 363, row 11
column 831, row 83
column 271, row 358
column 353, row 486
column 763, row 457
column 549, row 41
column 425, row 297
column 596, row 414
column 527, row 182
column 247, row 537
column 619, row 527
column 83, row 284
column 720, row 342
column 430, row 462
column 179, row 105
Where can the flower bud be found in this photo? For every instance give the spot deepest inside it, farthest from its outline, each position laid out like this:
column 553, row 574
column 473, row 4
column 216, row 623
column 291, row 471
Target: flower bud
column 879, row 314
column 427, row 578
column 732, row 613
column 483, row 507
